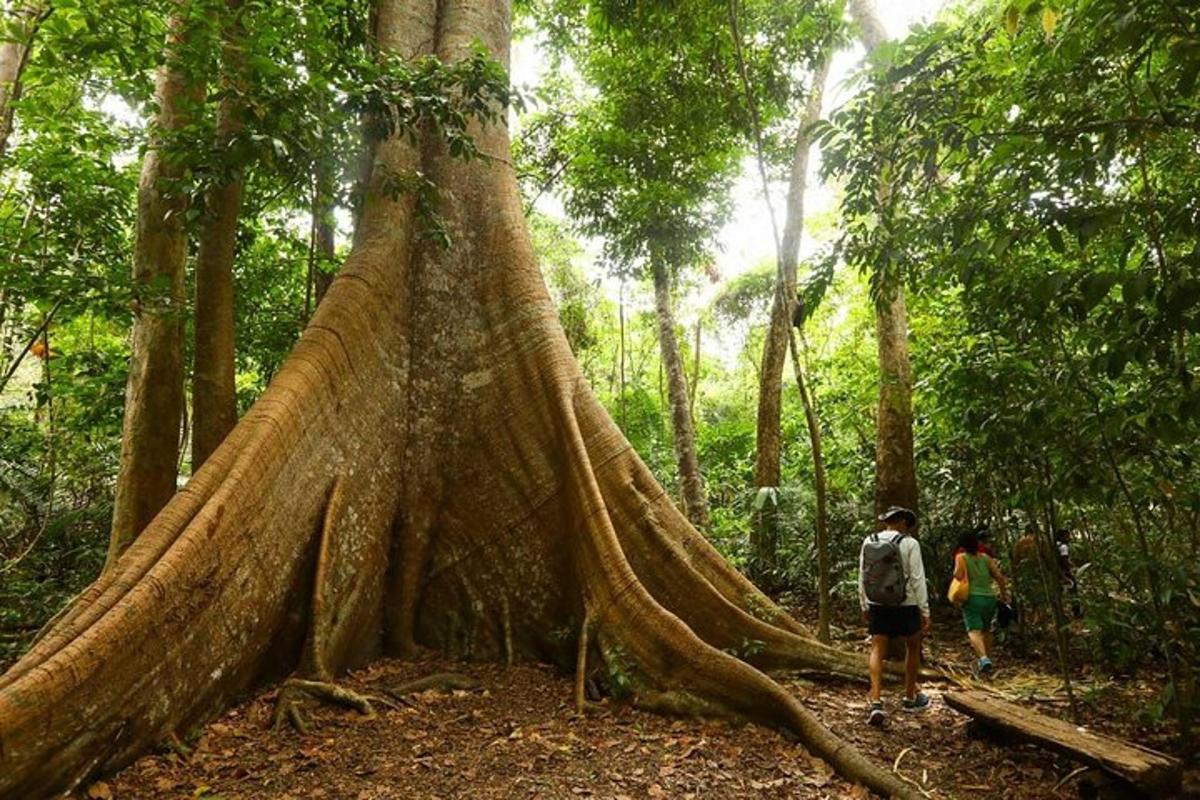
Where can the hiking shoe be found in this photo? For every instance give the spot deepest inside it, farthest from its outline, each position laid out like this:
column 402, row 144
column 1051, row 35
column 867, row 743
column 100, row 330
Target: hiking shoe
column 984, row 667
column 877, row 716
column 921, row 701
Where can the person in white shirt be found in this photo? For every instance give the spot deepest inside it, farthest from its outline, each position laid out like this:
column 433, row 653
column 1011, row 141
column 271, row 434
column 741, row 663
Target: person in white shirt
column 908, row 620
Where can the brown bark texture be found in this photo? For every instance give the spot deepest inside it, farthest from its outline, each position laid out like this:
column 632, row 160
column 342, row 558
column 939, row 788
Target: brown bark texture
column 323, row 233
column 820, row 485
column 154, row 391
column 895, row 470
column 895, row 465
column 768, row 440
column 486, row 503
column 20, row 27
column 214, row 393
column 1149, row 772
column 695, row 504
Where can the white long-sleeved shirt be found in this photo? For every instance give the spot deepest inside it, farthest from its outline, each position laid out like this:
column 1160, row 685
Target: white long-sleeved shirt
column 916, row 593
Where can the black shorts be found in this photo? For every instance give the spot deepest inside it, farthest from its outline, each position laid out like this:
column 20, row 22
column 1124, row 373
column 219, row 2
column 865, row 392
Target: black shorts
column 893, row 621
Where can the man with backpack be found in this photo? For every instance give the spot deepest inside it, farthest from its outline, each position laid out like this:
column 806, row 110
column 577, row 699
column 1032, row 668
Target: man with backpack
column 895, row 603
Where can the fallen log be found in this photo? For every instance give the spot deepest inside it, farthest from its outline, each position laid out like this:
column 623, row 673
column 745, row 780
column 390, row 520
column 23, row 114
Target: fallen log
column 1150, row 772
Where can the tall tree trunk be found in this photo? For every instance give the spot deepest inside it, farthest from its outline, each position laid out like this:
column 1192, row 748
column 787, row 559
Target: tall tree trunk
column 768, row 448
column 895, row 469
column 21, row 25
column 694, row 502
column 819, row 489
column 154, row 392
column 324, row 231
column 484, row 502
column 895, row 472
column 214, row 393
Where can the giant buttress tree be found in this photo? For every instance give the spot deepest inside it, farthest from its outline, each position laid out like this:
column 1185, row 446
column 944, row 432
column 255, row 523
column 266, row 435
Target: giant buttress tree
column 483, row 501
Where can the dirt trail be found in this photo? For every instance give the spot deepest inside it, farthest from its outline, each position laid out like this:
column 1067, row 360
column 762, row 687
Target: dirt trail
column 519, row 738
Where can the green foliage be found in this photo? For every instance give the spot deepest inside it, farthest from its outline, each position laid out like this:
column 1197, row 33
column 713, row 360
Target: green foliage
column 1043, row 186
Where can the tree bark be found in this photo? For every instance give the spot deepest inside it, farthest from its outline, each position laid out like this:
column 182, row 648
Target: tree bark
column 895, row 467
column 214, row 393
column 324, row 231
column 768, row 449
column 683, row 432
column 488, row 502
column 21, row 26
column 154, row 392
column 820, row 490
column 895, row 471
column 1154, row 774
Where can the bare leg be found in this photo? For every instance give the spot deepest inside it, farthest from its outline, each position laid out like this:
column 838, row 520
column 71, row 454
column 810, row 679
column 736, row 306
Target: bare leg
column 879, row 646
column 978, row 643
column 912, row 664
column 987, row 643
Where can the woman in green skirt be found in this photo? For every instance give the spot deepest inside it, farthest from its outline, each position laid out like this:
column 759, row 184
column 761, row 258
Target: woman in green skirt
column 983, row 579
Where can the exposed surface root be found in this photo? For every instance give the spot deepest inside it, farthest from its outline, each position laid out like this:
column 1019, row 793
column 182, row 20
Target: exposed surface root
column 581, row 664
column 314, row 661
column 441, row 682
column 293, row 693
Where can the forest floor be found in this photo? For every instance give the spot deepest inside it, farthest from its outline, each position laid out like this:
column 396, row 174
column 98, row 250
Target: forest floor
column 519, row 737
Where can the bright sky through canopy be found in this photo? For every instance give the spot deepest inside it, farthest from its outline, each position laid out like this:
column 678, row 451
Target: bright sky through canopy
column 747, row 240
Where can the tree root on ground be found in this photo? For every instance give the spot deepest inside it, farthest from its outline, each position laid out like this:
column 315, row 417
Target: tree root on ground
column 295, row 691
column 441, row 681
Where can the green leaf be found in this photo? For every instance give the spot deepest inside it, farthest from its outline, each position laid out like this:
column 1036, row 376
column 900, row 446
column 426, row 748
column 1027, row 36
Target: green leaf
column 1134, row 287
column 1012, row 19
column 1050, row 19
column 1095, row 287
column 1054, row 235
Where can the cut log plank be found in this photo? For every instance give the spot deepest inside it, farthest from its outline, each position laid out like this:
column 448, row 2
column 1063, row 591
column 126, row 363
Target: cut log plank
column 1149, row 771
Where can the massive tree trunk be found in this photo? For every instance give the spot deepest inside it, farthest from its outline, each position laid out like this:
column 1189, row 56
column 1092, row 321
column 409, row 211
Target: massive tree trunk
column 20, row 27
column 768, row 442
column 214, row 394
column 154, row 392
column 485, row 503
column 695, row 504
column 895, row 469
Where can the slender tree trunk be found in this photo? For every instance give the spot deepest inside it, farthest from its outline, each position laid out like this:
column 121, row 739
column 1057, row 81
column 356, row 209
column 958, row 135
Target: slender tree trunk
column 154, row 393
column 694, row 384
column 21, row 25
column 819, row 489
column 768, row 449
column 324, row 243
column 214, row 393
column 895, row 468
column 895, row 472
column 1048, row 572
column 775, row 346
column 621, row 331
column 692, row 484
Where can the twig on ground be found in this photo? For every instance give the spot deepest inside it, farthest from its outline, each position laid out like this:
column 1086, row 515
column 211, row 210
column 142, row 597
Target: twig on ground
column 905, row 778
column 1073, row 773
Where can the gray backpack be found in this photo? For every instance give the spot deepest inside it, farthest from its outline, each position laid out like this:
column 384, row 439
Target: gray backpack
column 883, row 570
